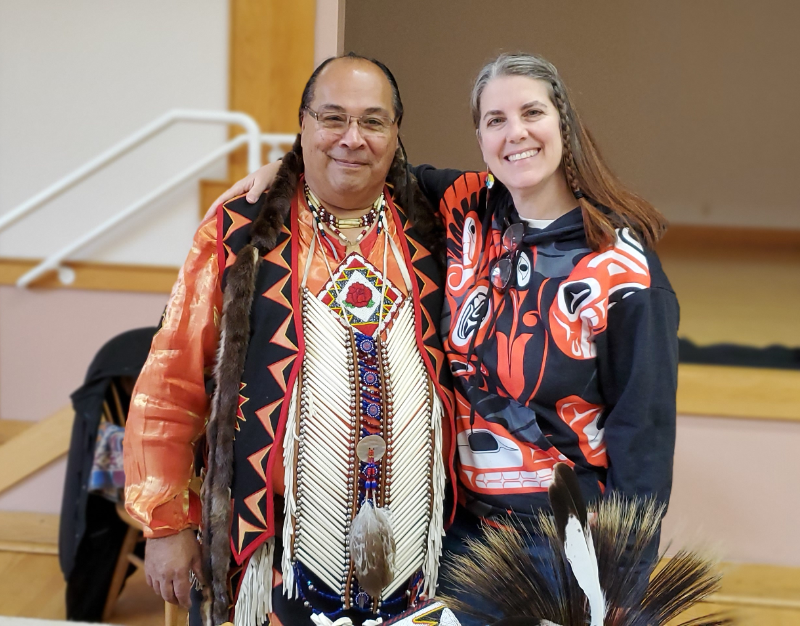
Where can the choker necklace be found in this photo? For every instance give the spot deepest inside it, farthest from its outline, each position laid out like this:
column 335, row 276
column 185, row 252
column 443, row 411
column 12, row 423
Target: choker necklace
column 336, row 224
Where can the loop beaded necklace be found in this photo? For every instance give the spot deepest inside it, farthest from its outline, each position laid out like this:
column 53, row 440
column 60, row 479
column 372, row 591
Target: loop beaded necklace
column 324, row 217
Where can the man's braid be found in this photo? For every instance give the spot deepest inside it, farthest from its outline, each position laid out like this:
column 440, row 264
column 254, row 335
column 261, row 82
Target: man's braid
column 278, row 202
column 427, row 221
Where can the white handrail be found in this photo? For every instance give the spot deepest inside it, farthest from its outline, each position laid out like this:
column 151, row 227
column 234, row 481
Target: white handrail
column 253, row 139
column 54, row 260
column 275, row 140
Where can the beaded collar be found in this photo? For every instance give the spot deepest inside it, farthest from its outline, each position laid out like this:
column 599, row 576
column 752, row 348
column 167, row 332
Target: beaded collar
column 336, row 224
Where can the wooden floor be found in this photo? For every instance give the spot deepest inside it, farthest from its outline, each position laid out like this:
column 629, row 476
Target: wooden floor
column 31, row 586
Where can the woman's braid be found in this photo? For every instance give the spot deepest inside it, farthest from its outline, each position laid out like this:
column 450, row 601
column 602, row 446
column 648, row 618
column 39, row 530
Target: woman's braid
column 599, row 230
column 566, row 136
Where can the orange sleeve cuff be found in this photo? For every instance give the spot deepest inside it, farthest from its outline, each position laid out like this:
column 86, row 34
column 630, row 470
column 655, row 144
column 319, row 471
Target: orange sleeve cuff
column 171, row 518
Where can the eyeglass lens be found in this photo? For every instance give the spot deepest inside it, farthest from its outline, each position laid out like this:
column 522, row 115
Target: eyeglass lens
column 512, row 236
column 339, row 122
column 500, row 274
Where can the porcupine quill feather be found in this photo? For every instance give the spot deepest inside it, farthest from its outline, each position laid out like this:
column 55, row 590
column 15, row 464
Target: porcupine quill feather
column 372, row 548
column 569, row 511
column 499, row 571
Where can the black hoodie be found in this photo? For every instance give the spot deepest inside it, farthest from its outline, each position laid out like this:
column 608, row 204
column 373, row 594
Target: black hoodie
column 576, row 361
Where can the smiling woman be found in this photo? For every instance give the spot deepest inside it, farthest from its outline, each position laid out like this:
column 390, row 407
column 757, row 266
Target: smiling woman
column 520, row 138
column 560, row 326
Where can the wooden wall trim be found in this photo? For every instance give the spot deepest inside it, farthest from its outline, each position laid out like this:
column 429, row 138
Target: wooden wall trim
column 35, row 533
column 95, row 276
column 271, row 58
column 11, row 428
column 36, row 447
column 700, row 240
column 740, row 392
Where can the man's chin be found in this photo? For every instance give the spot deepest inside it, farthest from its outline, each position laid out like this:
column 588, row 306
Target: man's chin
column 349, row 180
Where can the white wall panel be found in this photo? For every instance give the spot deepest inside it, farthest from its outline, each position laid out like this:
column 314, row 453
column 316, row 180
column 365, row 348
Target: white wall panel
column 78, row 76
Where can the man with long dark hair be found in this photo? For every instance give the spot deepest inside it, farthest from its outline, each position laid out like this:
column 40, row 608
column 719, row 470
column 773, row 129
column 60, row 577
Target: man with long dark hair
column 327, row 435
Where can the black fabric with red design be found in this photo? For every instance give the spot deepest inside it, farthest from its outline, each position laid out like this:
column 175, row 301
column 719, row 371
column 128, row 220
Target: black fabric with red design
column 576, row 361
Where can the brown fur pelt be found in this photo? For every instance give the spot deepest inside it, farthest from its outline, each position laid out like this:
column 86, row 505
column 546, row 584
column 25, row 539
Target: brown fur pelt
column 234, row 338
column 499, row 570
column 270, row 220
column 427, row 220
column 234, row 341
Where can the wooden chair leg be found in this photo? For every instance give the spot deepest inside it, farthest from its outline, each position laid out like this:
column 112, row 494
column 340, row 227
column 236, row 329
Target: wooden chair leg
column 174, row 615
column 117, row 580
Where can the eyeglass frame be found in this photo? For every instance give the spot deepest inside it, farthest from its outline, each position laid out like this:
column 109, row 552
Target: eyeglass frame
column 515, row 233
column 358, row 118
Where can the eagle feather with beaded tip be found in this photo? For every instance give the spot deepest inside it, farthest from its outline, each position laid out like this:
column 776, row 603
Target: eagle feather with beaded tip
column 588, row 573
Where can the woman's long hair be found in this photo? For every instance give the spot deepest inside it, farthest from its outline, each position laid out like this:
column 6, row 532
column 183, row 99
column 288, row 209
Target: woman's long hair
column 587, row 174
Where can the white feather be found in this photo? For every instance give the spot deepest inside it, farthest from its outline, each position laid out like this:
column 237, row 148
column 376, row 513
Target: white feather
column 579, row 549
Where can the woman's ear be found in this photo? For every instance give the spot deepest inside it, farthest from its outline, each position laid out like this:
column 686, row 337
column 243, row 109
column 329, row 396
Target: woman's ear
column 480, row 145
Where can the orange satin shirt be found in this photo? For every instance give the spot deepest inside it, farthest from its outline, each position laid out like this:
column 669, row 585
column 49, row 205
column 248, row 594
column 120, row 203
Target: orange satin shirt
column 170, row 406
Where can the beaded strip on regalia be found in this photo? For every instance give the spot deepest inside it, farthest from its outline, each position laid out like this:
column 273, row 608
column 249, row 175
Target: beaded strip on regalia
column 359, row 383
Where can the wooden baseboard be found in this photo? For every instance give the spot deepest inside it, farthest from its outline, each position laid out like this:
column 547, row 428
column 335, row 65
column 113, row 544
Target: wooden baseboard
column 742, row 392
column 32, row 533
column 694, row 240
column 11, row 428
column 758, row 585
column 35, row 447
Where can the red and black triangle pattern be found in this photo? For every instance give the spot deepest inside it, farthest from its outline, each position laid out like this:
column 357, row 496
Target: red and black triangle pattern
column 275, row 349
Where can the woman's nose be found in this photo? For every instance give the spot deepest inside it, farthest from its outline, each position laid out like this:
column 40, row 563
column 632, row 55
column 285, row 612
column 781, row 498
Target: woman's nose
column 515, row 130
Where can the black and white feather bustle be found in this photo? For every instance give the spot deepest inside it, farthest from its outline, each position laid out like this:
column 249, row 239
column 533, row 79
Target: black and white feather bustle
column 586, row 567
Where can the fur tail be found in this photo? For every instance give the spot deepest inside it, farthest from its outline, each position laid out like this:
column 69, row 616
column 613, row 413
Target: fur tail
column 235, row 335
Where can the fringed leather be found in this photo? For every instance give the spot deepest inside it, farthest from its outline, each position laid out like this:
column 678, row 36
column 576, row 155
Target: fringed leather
column 254, row 603
column 290, row 440
column 430, row 568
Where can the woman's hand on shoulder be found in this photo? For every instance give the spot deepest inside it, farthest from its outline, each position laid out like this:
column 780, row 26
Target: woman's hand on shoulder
column 253, row 185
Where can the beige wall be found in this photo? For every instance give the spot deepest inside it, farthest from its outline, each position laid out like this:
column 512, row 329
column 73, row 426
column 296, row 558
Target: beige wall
column 693, row 103
column 48, row 338
column 694, row 106
column 735, row 489
column 77, row 77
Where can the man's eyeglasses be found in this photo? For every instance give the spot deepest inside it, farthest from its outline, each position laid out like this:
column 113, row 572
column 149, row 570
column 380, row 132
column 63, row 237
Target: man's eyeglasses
column 338, row 122
column 503, row 267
